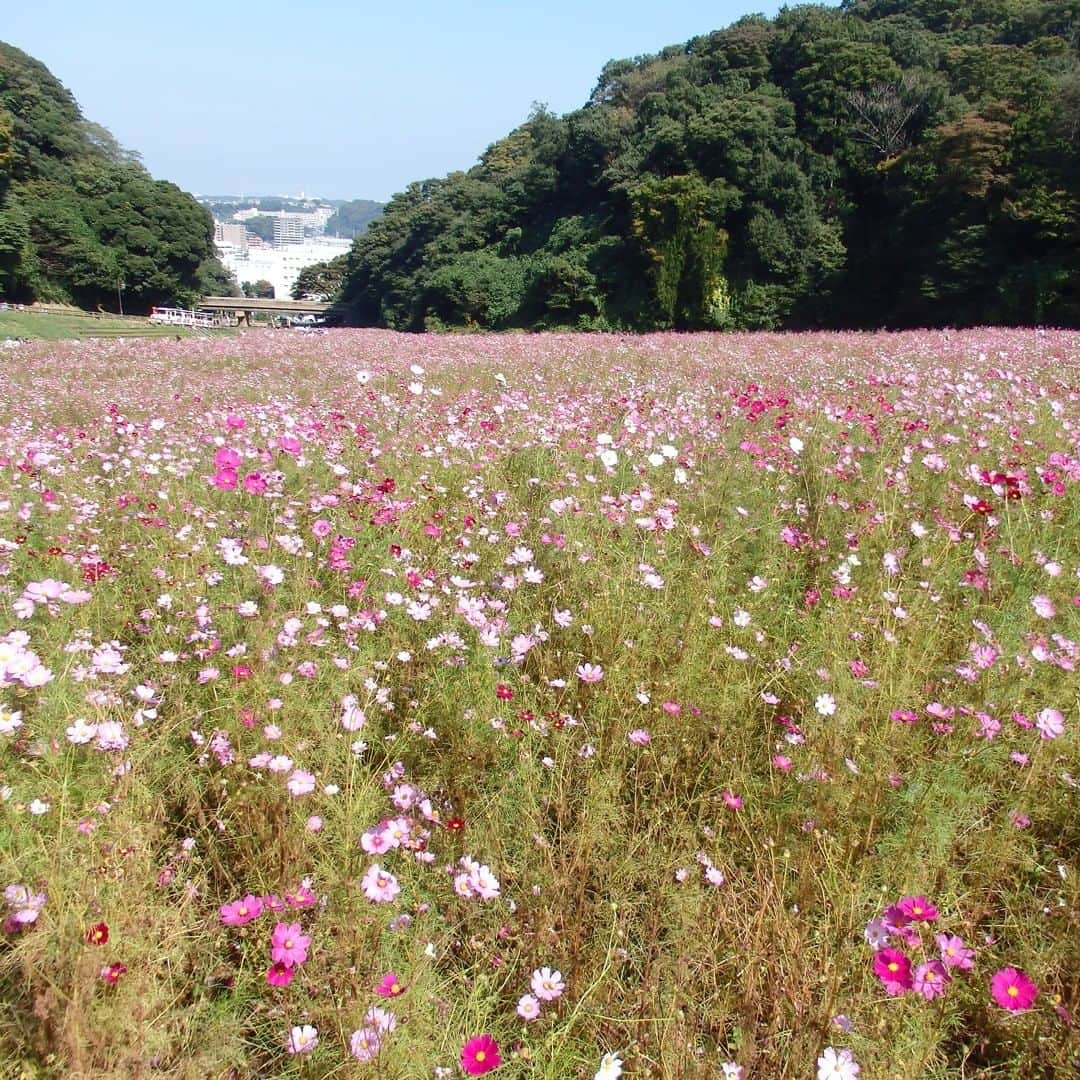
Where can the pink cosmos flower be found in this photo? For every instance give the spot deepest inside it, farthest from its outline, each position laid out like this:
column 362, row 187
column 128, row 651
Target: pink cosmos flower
column 300, row 783
column 546, row 984
column 390, row 986
column 893, row 968
column 639, row 737
column 303, row 1039
column 225, row 479
column 732, row 801
column 1044, row 606
column 379, row 886
column 289, row 944
column 590, row 673
column 364, row 1044
column 480, row 1055
column 302, row 898
column 528, row 1007
column 1013, row 990
column 918, row 909
column 240, row 912
column 837, row 1064
column 954, row 953
column 289, row 444
column 1050, row 723
column 280, row 975
column 255, row 483
column 931, row 979
column 225, row 458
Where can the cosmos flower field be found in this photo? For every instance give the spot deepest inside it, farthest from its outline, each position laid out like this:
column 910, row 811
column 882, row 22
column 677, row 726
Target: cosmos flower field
column 543, row 706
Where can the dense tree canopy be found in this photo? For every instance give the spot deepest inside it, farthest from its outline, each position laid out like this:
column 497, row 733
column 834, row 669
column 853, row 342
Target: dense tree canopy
column 320, row 281
column 884, row 163
column 352, row 218
column 80, row 218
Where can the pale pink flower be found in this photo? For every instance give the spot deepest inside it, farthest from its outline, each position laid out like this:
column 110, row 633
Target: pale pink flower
column 1050, row 723
column 546, row 984
column 379, row 886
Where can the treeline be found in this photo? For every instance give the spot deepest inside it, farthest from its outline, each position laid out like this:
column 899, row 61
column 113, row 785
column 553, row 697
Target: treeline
column 353, row 218
column 81, row 220
column 885, row 163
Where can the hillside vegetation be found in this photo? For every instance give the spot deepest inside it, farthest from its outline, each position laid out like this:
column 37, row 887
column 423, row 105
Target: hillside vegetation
column 81, row 219
column 884, row 163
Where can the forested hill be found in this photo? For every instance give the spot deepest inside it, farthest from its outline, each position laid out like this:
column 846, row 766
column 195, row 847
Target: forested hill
column 80, row 217
column 885, row 163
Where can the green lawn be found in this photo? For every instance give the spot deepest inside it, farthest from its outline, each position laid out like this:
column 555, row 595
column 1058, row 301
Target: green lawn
column 56, row 327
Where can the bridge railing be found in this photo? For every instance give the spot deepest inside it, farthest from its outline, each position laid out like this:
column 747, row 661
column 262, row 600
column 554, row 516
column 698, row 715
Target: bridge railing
column 182, row 317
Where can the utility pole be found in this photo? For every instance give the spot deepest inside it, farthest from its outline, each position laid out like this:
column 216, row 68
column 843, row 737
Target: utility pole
column 119, row 296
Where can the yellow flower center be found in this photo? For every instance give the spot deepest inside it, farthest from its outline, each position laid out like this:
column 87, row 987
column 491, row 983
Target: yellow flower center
column 395, row 989
column 241, row 910
column 480, row 1055
column 1013, row 992
column 288, row 944
column 893, row 965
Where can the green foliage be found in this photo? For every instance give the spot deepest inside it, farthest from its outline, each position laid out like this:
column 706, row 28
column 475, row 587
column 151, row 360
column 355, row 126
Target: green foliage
column 259, row 290
column 321, row 280
column 80, row 217
column 261, row 226
column 881, row 163
column 351, row 219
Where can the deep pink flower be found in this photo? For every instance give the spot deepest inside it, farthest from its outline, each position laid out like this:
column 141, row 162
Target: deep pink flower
column 112, row 973
column 1013, row 990
column 240, row 912
column 302, row 898
column 918, row 909
column 289, row 944
column 225, row 479
column 893, row 968
column 226, row 459
column 280, row 974
column 390, row 986
column 254, row 483
column 480, row 1055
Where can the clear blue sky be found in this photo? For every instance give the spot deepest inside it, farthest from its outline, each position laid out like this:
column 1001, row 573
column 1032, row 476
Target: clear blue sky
column 337, row 98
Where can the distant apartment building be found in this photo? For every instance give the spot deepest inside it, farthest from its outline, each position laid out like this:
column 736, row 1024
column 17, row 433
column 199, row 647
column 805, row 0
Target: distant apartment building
column 288, row 229
column 280, row 265
column 228, row 235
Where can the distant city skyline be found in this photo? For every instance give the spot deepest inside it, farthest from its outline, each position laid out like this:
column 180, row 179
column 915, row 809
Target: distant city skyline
column 341, row 100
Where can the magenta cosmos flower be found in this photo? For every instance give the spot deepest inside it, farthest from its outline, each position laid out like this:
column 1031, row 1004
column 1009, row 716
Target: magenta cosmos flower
column 243, row 911
column 1013, row 990
column 893, row 968
column 480, row 1055
column 279, row 975
column 390, row 986
column 918, row 909
column 289, row 944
